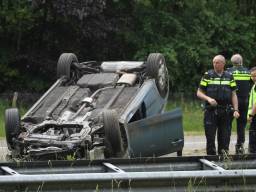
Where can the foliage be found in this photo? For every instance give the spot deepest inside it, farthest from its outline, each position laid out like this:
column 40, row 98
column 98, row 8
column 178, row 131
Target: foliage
column 189, row 33
column 3, row 106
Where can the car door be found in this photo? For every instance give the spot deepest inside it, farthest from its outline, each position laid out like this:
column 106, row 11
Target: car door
column 157, row 135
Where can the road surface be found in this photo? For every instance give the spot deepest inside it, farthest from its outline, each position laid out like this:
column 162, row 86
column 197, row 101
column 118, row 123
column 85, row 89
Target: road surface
column 194, row 145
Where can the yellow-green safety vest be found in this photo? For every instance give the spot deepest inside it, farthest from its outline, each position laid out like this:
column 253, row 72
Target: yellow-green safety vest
column 252, row 100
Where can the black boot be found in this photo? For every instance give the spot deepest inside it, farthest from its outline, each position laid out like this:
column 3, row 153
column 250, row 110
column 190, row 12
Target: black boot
column 239, row 149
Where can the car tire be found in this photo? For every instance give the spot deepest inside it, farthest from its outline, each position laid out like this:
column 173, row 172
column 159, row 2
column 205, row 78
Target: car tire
column 156, row 68
column 113, row 139
column 64, row 65
column 179, row 153
column 12, row 126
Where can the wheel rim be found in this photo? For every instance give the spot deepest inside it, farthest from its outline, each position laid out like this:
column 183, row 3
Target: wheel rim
column 161, row 75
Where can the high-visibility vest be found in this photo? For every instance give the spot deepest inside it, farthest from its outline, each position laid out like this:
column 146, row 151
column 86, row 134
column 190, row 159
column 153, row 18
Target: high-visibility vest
column 252, row 99
column 218, row 87
column 242, row 77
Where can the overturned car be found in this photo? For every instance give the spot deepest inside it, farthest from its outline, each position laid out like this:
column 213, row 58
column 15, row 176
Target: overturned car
column 99, row 110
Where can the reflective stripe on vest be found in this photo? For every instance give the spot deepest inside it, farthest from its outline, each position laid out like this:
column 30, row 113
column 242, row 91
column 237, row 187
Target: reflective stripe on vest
column 242, row 77
column 219, row 82
column 206, row 82
column 203, row 83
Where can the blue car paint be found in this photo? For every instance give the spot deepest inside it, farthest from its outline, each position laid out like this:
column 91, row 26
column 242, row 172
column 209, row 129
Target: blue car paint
column 156, row 135
column 147, row 94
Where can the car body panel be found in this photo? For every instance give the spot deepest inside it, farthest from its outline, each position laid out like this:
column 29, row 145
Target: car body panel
column 156, row 135
column 148, row 95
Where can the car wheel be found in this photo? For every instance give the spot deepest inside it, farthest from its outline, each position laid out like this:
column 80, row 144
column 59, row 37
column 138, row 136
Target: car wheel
column 12, row 126
column 179, row 153
column 64, row 65
column 156, row 68
column 113, row 139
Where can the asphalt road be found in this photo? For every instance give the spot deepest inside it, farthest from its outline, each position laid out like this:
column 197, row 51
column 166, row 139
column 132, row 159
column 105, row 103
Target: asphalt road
column 194, row 145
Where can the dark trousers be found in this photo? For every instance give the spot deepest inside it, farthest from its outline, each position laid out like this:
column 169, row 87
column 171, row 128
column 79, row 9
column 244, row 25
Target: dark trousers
column 241, row 121
column 252, row 136
column 217, row 121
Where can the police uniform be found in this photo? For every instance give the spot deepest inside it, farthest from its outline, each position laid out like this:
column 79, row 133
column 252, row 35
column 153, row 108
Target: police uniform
column 242, row 77
column 217, row 118
column 252, row 129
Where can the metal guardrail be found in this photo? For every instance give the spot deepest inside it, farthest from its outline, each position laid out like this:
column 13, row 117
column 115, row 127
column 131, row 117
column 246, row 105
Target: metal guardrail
column 210, row 173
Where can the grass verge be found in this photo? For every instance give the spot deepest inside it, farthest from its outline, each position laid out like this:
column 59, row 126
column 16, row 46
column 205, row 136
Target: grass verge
column 3, row 105
column 192, row 116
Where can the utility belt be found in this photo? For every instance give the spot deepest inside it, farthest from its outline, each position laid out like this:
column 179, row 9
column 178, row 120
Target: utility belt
column 220, row 109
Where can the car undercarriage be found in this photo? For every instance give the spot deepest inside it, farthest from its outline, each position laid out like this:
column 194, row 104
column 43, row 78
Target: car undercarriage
column 87, row 111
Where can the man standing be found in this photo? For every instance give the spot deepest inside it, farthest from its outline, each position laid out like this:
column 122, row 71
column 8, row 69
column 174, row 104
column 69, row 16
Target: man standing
column 218, row 89
column 242, row 77
column 251, row 114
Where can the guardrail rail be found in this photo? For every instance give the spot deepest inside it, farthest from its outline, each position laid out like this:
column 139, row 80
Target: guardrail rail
column 198, row 173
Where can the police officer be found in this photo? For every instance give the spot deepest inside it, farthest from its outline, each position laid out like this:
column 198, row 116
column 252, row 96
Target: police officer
column 242, row 77
column 251, row 113
column 218, row 89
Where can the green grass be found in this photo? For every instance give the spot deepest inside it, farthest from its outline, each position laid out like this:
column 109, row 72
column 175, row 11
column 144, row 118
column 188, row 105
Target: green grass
column 3, row 105
column 192, row 115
